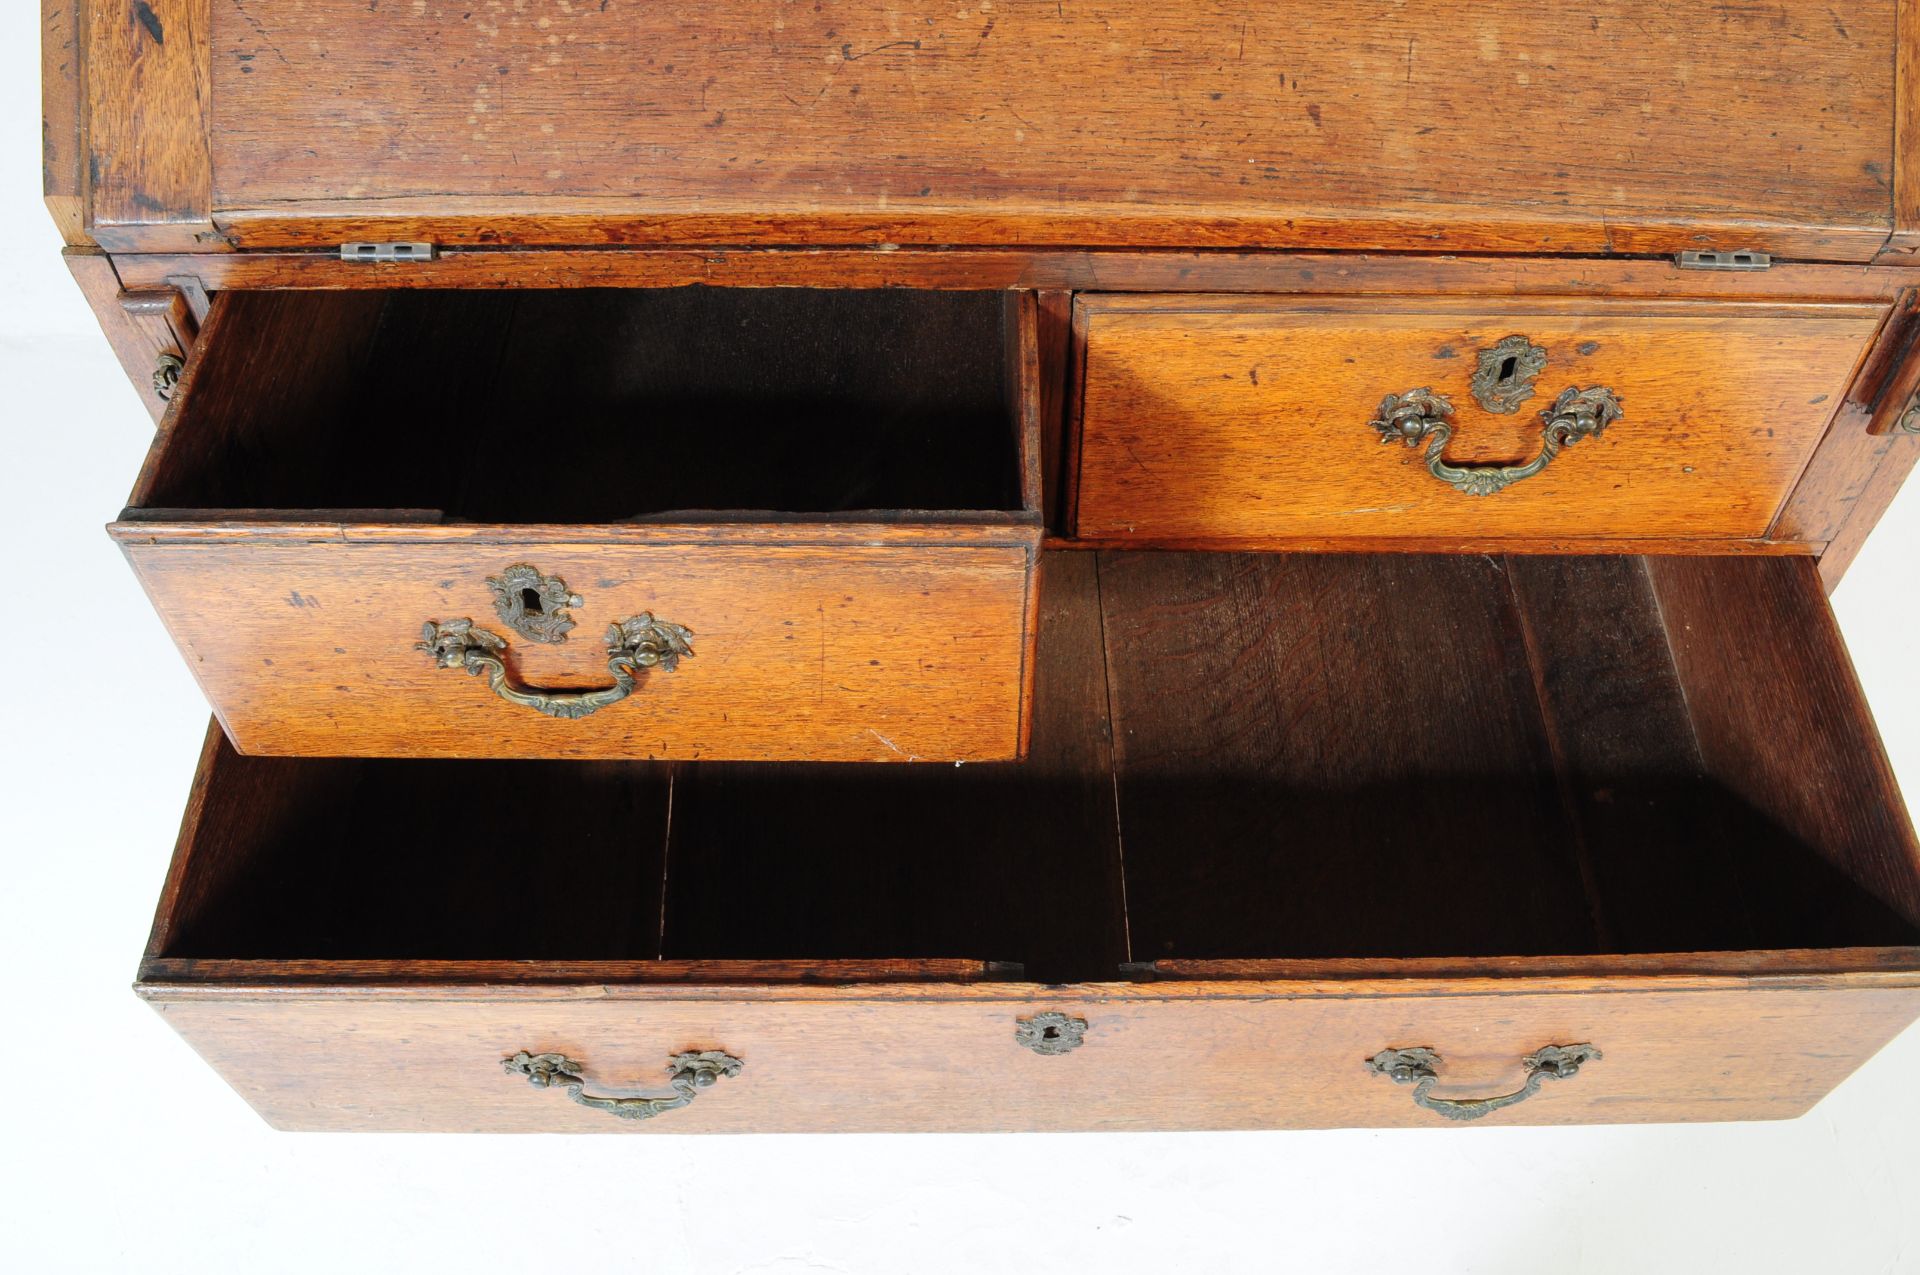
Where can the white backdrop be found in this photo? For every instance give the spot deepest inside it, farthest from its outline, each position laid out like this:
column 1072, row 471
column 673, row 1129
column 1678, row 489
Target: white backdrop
column 119, row 1150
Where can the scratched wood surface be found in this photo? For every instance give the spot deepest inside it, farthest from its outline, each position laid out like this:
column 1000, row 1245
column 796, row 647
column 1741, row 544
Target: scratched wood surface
column 1634, row 127
column 1840, row 494
column 1257, row 1055
column 1904, row 244
column 869, row 652
column 848, row 474
column 1243, row 419
column 1252, row 777
column 138, row 341
column 149, row 99
column 63, row 110
column 1042, row 268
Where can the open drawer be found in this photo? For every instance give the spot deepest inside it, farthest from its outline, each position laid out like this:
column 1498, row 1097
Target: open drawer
column 671, row 523
column 1401, row 834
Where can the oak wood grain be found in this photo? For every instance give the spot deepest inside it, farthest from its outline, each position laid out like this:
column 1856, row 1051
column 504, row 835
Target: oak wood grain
column 1628, row 724
column 1826, row 782
column 1044, row 268
column 1894, row 461
column 1291, row 730
column 874, row 652
column 1904, row 243
column 1250, row 698
column 1438, row 124
column 1014, row 863
column 208, row 978
column 1532, row 545
column 415, row 1045
column 1054, row 310
column 63, row 159
column 137, row 341
column 1864, row 456
column 149, row 110
column 935, row 1062
column 1242, row 418
column 790, row 401
column 849, row 630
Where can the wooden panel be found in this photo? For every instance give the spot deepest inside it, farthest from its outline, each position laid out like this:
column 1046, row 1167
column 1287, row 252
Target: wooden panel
column 1895, row 459
column 1114, row 270
column 830, row 634
column 137, row 341
column 1825, row 781
column 63, row 162
column 1013, row 863
column 1438, row 124
column 802, row 401
column 148, row 109
column 1325, row 756
column 1866, row 452
column 1307, row 746
column 870, row 652
column 1857, row 444
column 1309, row 749
column 1248, row 420
column 1240, row 1056
column 1904, row 243
column 1676, row 856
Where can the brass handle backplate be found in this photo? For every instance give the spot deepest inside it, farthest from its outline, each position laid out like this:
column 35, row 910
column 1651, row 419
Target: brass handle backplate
column 1420, row 1068
column 687, row 1075
column 1423, row 416
column 633, row 646
column 167, row 370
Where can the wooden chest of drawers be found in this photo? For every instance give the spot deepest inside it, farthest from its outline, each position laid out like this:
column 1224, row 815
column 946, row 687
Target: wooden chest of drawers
column 838, row 570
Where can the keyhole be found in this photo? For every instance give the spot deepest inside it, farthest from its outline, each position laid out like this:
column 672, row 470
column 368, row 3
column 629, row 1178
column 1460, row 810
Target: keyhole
column 1507, row 366
column 530, row 601
column 1050, row 1033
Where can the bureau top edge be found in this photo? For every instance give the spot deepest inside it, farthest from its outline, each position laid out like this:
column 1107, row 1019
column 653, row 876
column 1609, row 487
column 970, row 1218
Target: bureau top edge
column 1638, row 127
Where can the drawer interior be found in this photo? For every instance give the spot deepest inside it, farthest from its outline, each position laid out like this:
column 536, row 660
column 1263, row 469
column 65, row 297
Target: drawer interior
column 1235, row 756
column 596, row 405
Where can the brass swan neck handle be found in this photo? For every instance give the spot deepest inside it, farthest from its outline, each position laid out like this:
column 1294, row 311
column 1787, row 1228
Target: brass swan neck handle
column 687, row 1075
column 634, row 645
column 1420, row 1067
column 1421, row 415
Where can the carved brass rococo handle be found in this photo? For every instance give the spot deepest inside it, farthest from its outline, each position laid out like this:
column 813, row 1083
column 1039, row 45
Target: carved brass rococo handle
column 1421, row 415
column 687, row 1075
column 633, row 646
column 1421, row 1069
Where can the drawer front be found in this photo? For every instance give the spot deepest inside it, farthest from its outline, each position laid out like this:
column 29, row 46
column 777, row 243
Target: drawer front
column 832, row 652
column 1254, row 420
column 932, row 1060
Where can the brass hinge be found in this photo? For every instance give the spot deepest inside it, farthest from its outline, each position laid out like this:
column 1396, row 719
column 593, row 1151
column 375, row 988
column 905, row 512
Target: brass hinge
column 1722, row 259
column 386, row 252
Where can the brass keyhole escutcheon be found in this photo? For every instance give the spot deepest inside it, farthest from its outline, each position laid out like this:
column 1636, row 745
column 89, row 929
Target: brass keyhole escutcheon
column 1051, row 1032
column 1506, row 373
column 533, row 605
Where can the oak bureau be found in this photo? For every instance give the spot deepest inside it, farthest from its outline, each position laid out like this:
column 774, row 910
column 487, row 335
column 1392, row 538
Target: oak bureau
column 866, row 564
